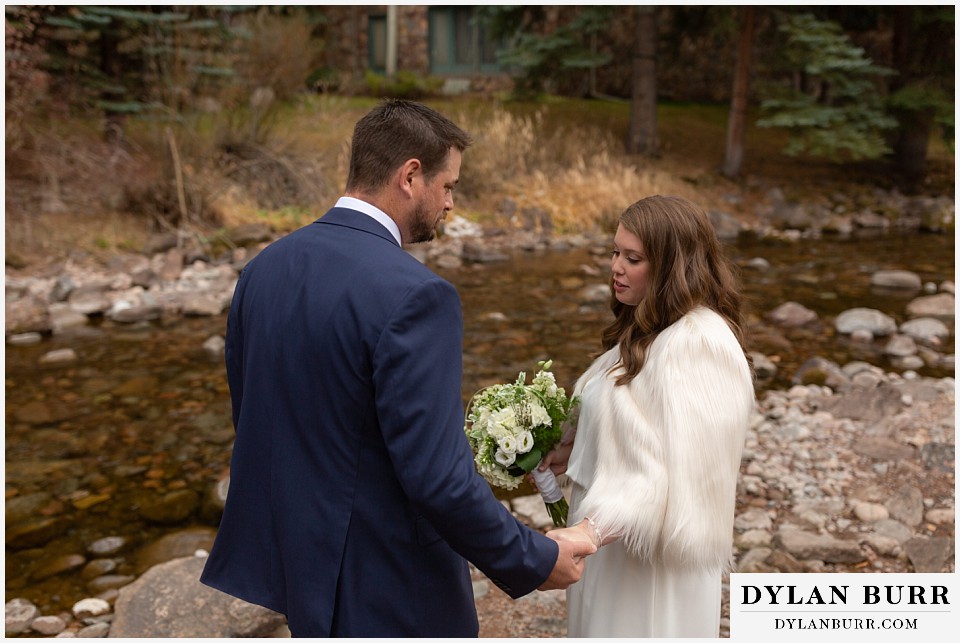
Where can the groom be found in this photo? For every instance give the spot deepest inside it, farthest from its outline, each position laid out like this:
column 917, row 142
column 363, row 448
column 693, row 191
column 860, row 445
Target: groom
column 354, row 505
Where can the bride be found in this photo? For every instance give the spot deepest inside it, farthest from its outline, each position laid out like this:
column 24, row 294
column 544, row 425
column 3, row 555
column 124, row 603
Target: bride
column 655, row 454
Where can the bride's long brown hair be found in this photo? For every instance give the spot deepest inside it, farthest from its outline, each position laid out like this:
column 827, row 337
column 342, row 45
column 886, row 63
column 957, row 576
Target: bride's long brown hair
column 687, row 269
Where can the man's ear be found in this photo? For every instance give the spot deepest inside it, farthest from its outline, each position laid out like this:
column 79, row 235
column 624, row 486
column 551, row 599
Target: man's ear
column 407, row 173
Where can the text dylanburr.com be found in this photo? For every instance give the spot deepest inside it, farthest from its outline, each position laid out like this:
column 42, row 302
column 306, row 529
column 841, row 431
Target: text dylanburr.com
column 826, row 607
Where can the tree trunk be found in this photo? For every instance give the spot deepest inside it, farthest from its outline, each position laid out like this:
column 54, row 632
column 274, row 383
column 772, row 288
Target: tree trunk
column 736, row 126
column 923, row 48
column 910, row 146
column 642, row 137
column 111, row 65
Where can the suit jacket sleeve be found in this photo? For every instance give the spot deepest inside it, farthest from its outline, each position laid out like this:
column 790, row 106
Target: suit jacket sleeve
column 417, row 375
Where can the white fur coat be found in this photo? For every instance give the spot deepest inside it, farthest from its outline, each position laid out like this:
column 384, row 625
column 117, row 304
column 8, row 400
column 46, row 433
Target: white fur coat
column 659, row 457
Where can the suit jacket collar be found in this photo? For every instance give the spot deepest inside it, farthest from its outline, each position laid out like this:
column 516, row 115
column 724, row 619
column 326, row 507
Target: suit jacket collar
column 349, row 218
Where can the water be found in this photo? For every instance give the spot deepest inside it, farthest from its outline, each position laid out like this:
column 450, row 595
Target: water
column 145, row 410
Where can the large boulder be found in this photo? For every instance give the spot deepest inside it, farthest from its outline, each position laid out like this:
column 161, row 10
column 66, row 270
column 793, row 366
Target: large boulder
column 169, row 601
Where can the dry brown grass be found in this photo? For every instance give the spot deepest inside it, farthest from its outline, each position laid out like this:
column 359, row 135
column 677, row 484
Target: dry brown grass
column 574, row 170
column 564, row 158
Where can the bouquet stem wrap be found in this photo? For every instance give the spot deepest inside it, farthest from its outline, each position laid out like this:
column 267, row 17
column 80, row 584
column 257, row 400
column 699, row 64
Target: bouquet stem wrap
column 552, row 496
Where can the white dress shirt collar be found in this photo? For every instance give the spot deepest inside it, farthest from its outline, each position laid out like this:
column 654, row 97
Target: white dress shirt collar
column 373, row 211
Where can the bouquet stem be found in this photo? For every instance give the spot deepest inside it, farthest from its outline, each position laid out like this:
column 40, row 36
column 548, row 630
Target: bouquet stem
column 552, row 496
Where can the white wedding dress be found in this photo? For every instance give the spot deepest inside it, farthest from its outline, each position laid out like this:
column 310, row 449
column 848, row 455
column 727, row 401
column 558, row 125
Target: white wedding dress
column 620, row 595
column 655, row 462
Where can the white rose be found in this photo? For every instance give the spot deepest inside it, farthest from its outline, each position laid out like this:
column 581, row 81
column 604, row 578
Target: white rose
column 525, row 442
column 507, row 444
column 505, row 417
column 506, row 459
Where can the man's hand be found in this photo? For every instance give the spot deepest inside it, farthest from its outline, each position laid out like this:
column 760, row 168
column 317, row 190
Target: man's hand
column 569, row 565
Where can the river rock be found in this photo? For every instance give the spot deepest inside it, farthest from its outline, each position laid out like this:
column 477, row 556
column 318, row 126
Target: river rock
column 754, row 538
column 214, row 346
column 90, row 607
column 906, row 505
column 34, row 533
column 26, row 315
column 135, row 313
column 107, row 546
column 109, row 581
column 763, row 366
column 945, row 516
column 870, row 512
column 941, row 306
column 216, row 499
column 170, row 508
column 204, row 305
column 900, row 346
column 19, row 508
column 893, row 529
column 64, row 318
column 57, row 566
column 808, row 546
column 869, row 404
column 929, row 554
column 883, row 449
column 726, row 226
column 168, row 265
column 47, row 412
column 753, row 519
column 883, row 545
column 926, row 330
column 90, row 302
column 599, row 293
column 24, row 339
column 874, row 321
column 791, row 315
column 758, row 263
column 476, row 252
column 59, row 356
column 169, row 601
column 94, row 631
column 176, row 545
column 98, row 567
column 48, row 625
column 20, row 613
column 896, row 279
column 823, row 372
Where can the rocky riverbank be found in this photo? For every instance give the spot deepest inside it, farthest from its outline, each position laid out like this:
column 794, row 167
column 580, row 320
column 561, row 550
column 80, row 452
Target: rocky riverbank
column 851, row 469
column 857, row 475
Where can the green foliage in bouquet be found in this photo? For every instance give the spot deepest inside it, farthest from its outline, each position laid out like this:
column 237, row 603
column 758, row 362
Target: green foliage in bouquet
column 512, row 426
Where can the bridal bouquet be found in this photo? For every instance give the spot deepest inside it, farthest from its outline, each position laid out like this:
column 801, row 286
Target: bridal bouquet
column 512, row 426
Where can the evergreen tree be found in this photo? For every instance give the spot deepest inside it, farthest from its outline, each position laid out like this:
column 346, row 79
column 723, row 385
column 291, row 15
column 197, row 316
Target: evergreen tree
column 831, row 104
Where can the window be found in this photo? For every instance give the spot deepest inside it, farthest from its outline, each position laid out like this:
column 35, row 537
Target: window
column 459, row 43
column 377, row 42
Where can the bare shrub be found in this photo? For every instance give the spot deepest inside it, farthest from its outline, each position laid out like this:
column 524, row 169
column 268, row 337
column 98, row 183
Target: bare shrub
column 281, row 52
column 576, row 172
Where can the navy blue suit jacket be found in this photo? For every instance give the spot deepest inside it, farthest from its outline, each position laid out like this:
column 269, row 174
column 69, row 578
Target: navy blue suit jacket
column 354, row 504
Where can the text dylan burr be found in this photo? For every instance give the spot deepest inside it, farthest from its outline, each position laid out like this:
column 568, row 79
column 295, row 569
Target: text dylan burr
column 838, row 595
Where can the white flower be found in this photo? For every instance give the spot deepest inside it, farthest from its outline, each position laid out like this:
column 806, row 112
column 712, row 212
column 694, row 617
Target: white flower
column 525, row 442
column 547, row 380
column 506, row 459
column 507, row 443
column 538, row 414
column 503, row 422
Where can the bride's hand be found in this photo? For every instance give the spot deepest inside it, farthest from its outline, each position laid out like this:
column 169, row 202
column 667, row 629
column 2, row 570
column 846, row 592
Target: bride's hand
column 579, row 533
column 556, row 460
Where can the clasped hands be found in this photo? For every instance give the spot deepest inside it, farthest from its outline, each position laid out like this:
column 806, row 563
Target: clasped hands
column 575, row 543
